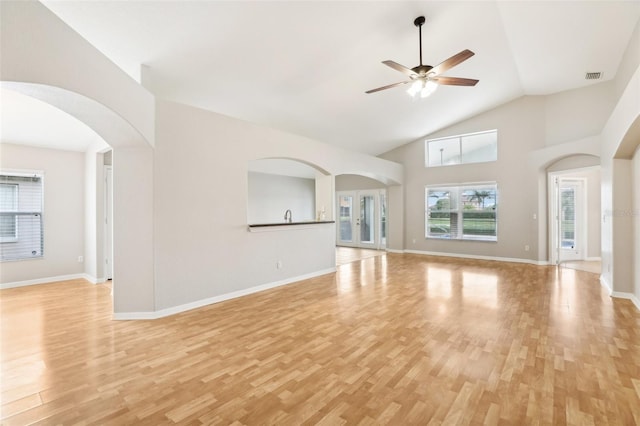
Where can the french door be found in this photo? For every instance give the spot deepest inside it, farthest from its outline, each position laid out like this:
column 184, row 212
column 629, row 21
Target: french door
column 362, row 219
column 568, row 234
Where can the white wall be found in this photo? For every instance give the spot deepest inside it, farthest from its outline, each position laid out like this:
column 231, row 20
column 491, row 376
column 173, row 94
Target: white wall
column 354, row 183
column 84, row 83
column 620, row 138
column 521, row 129
column 533, row 132
column 202, row 251
column 78, row 67
column 94, row 215
column 579, row 113
column 270, row 196
column 635, row 185
column 63, row 212
column 586, row 167
column 203, row 248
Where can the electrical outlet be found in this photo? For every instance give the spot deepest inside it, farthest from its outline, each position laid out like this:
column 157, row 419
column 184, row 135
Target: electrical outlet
column 526, row 248
column 414, row 241
column 80, row 259
column 279, row 264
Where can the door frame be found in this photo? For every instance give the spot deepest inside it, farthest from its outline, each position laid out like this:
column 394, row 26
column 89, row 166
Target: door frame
column 378, row 244
column 556, row 253
column 108, row 222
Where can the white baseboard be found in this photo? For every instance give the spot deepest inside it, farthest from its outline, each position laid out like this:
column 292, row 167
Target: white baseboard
column 216, row 299
column 619, row 294
column 46, row 280
column 606, row 284
column 394, row 251
column 94, row 280
column 471, row 256
column 628, row 296
column 593, row 259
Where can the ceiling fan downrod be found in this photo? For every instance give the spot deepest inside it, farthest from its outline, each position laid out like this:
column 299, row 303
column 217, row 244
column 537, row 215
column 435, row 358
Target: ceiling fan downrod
column 418, row 22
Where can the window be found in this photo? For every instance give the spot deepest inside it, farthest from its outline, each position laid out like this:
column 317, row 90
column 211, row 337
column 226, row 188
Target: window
column 463, row 149
column 21, row 234
column 467, row 212
column 9, row 207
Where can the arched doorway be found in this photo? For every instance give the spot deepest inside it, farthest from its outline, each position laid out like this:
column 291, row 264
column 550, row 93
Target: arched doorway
column 133, row 180
column 361, row 212
column 574, row 211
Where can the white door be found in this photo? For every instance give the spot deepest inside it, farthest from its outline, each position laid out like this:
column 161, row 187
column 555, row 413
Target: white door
column 361, row 219
column 108, row 223
column 569, row 223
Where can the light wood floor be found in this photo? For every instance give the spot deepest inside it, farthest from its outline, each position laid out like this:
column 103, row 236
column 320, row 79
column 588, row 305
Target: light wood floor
column 394, row 339
column 594, row 266
column 346, row 255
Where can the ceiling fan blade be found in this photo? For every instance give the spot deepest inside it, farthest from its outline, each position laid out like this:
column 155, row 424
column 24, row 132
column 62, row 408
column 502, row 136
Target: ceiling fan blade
column 452, row 62
column 396, row 66
column 387, row 87
column 455, row 81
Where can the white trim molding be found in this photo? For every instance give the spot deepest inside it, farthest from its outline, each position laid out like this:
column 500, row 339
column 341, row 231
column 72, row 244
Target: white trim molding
column 47, row 280
column 628, row 296
column 94, row 280
column 619, row 294
column 216, row 299
column 606, row 284
column 471, row 256
column 394, row 251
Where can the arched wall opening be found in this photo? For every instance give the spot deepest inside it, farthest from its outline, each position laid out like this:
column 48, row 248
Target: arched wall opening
column 361, row 211
column 573, row 209
column 132, row 192
column 286, row 190
column 623, row 219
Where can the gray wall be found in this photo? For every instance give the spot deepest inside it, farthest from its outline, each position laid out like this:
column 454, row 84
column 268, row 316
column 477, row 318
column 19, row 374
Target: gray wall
column 521, row 129
column 271, row 195
column 591, row 176
column 355, row 183
column 63, row 212
column 203, row 248
column 530, row 130
column 636, row 224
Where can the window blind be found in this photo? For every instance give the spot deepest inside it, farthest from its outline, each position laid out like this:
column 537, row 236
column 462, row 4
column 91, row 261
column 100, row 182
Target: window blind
column 21, row 224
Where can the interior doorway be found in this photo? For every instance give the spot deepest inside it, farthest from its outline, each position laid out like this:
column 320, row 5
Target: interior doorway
column 574, row 221
column 362, row 219
column 108, row 222
column 569, row 214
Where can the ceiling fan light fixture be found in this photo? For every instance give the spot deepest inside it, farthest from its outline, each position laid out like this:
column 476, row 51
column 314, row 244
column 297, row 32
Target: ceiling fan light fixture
column 422, row 87
column 424, row 79
column 429, row 87
column 416, row 87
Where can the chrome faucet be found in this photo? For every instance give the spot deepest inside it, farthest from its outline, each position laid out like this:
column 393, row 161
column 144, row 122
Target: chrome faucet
column 287, row 216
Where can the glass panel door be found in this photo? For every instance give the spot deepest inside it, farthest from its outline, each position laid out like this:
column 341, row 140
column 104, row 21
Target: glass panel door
column 367, row 221
column 567, row 218
column 570, row 216
column 362, row 219
column 383, row 220
column 345, row 219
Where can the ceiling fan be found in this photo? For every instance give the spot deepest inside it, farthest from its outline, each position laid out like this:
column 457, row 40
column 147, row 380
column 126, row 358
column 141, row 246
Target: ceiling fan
column 425, row 78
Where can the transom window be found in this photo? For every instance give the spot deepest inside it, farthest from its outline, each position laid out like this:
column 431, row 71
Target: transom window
column 462, row 149
column 466, row 212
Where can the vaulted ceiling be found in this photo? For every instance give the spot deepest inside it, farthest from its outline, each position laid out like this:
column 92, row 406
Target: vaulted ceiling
column 304, row 66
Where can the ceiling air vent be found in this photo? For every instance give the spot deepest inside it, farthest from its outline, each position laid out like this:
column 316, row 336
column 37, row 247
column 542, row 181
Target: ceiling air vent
column 593, row 76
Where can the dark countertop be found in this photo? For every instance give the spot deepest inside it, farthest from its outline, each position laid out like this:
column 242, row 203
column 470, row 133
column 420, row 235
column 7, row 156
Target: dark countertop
column 310, row 222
